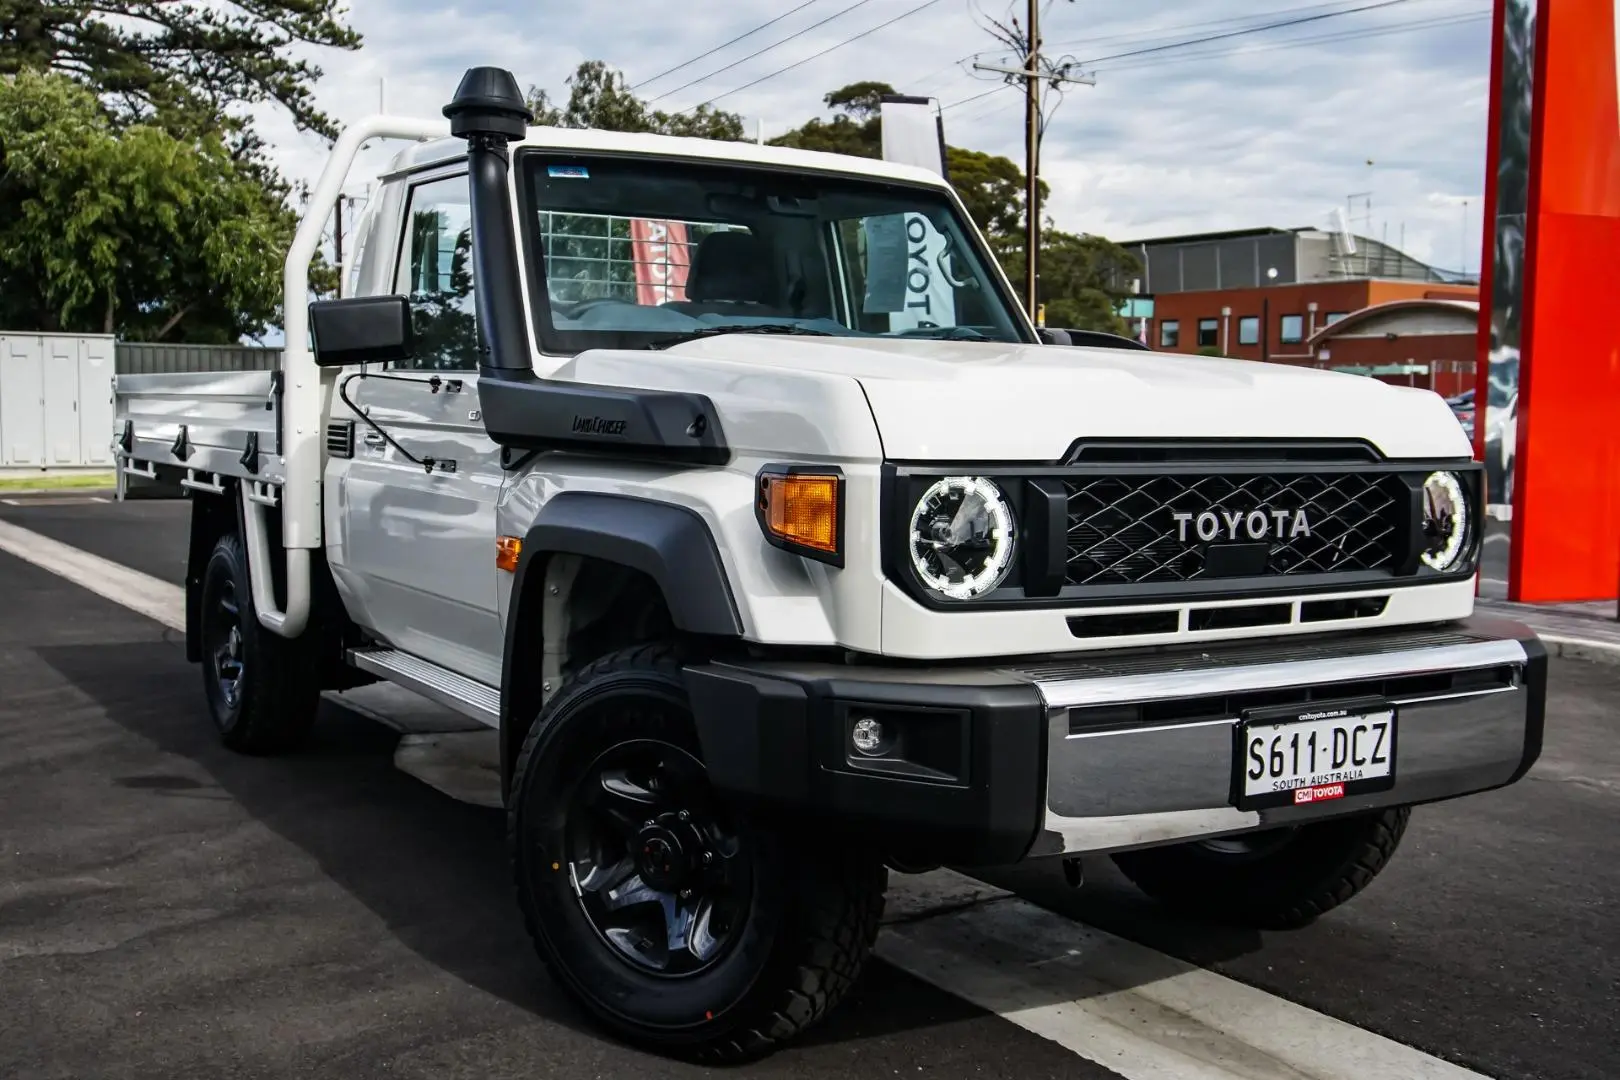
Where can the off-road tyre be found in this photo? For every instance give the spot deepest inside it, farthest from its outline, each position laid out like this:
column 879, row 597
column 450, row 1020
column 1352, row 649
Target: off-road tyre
column 810, row 923
column 1284, row 884
column 278, row 689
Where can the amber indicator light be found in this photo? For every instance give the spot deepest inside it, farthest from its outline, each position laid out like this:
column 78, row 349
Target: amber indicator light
column 507, row 550
column 802, row 508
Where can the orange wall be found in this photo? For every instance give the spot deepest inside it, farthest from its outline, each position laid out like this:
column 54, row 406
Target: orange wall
column 1566, row 517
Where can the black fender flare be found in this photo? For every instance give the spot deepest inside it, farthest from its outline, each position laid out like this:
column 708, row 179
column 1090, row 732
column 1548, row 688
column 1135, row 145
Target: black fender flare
column 671, row 544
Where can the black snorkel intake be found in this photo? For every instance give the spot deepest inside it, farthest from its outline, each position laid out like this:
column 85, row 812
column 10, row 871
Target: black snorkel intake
column 520, row 410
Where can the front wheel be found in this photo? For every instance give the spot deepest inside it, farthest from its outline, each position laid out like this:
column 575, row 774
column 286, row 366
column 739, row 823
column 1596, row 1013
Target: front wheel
column 681, row 923
column 1277, row 879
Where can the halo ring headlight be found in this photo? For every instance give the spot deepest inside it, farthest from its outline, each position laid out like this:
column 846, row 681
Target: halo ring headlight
column 1446, row 522
column 962, row 537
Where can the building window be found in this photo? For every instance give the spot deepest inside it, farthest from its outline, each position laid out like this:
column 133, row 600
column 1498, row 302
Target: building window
column 1169, row 333
column 1334, row 316
column 1249, row 330
column 1206, row 332
column 1293, row 329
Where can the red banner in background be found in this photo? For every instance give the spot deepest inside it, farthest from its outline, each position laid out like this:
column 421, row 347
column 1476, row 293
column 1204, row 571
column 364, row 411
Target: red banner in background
column 1564, row 432
column 662, row 255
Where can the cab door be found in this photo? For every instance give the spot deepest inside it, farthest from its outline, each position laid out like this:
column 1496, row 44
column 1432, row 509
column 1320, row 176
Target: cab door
column 416, row 504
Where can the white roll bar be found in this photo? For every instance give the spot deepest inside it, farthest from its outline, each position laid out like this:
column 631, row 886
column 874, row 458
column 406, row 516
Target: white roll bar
column 306, row 389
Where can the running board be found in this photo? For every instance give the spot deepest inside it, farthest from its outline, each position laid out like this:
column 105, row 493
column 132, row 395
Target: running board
column 474, row 699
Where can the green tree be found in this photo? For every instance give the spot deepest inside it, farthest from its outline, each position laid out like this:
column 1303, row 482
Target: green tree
column 600, row 98
column 182, row 65
column 991, row 187
column 130, row 230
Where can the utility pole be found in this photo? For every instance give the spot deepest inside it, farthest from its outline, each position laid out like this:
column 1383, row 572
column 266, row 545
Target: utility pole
column 1032, row 164
column 1032, row 73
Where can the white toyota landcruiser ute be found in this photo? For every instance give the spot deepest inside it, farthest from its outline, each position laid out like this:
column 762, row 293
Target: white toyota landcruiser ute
column 825, row 565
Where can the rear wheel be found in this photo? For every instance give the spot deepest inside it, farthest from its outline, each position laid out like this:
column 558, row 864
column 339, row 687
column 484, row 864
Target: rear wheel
column 681, row 923
column 1276, row 879
column 262, row 690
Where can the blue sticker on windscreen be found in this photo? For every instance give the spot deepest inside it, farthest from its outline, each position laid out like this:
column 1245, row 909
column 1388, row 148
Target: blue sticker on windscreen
column 570, row 172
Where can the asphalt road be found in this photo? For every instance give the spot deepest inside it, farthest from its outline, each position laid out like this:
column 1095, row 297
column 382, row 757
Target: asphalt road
column 169, row 909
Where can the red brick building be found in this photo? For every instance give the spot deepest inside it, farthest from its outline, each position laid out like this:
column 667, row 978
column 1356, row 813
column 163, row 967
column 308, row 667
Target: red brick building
column 1279, row 295
column 1278, row 322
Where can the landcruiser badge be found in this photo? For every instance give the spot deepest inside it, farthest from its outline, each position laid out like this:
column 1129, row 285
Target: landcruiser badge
column 1237, row 525
column 597, row 425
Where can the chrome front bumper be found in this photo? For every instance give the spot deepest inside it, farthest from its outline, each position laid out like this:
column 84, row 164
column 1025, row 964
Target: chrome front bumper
column 1141, row 747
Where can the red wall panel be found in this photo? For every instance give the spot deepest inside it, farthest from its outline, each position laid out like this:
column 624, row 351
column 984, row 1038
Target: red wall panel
column 1566, row 519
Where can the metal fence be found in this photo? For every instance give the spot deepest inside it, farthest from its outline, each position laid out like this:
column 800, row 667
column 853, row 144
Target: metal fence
column 156, row 358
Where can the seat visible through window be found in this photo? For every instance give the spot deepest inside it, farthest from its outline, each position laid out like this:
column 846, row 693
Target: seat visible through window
column 732, row 273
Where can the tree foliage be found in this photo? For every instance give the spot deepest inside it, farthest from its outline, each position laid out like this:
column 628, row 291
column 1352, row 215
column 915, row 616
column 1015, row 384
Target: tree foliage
column 1083, row 279
column 131, row 231
column 181, row 66
column 600, row 98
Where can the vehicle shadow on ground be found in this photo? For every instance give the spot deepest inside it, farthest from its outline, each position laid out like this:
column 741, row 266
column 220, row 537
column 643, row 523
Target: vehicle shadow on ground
column 435, row 870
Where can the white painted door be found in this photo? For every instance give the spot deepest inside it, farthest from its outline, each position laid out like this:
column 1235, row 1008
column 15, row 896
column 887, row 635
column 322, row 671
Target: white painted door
column 61, row 401
column 417, row 548
column 96, row 415
column 22, row 400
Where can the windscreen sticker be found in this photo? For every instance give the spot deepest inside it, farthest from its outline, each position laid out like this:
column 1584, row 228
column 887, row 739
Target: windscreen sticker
column 569, row 172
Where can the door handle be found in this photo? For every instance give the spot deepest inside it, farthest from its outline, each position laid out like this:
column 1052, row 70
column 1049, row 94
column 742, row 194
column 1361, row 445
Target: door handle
column 373, row 439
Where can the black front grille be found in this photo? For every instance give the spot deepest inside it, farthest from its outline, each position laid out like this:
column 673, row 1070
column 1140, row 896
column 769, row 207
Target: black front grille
column 1134, row 530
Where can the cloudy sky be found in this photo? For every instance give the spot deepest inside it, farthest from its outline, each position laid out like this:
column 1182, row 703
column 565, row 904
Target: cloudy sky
column 1267, row 127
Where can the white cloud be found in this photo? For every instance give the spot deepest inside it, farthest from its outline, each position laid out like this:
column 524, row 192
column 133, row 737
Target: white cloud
column 1272, row 128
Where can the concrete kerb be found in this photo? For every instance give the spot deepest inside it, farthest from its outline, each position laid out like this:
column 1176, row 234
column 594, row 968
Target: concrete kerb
column 1569, row 648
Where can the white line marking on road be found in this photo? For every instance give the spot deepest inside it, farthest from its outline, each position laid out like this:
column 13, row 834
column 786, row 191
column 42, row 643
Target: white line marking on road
column 1124, row 1006
column 54, row 500
column 1145, row 1015
column 157, row 600
column 1498, row 538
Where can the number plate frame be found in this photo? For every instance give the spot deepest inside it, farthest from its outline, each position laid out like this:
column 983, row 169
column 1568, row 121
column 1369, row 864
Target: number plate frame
column 1274, row 716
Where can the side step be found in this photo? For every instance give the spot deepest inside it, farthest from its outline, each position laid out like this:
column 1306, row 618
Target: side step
column 474, row 699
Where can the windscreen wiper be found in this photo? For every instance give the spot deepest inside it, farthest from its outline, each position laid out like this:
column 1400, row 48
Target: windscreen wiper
column 750, row 328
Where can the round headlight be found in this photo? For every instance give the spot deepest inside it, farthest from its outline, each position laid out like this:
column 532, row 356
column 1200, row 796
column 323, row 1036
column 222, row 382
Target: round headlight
column 1445, row 521
column 962, row 537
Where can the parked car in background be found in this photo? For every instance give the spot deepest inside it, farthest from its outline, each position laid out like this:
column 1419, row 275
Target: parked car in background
column 1462, row 406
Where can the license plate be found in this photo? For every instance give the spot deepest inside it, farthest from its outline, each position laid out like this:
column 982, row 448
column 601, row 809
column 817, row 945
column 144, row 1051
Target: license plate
column 1314, row 755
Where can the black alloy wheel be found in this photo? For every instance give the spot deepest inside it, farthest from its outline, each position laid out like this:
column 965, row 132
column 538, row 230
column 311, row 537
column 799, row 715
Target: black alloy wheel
column 686, row 922
column 222, row 637
column 654, row 863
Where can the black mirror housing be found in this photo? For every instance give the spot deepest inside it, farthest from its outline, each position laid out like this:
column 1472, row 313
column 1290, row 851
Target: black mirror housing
column 361, row 330
column 1052, row 336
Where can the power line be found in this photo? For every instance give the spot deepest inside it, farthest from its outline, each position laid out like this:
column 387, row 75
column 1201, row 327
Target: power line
column 1250, row 30
column 761, row 52
column 798, row 63
column 1159, row 34
column 727, row 45
column 1342, row 35
column 1169, row 32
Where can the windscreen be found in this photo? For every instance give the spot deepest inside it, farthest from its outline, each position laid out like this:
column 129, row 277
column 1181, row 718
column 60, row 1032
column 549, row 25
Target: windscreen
column 637, row 253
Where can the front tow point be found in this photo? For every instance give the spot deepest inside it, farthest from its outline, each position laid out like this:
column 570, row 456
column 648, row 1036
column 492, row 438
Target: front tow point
column 1074, row 872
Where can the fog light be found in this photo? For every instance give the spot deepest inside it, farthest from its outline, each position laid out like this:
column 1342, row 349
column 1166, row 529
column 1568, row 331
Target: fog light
column 867, row 736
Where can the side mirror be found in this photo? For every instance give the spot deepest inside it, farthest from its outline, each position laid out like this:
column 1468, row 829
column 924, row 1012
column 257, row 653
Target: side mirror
column 361, row 330
column 1053, row 336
